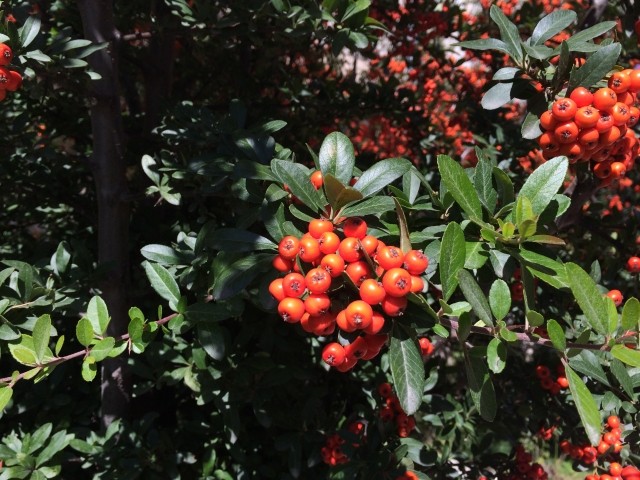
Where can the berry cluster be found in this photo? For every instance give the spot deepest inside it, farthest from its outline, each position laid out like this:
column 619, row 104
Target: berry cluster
column 10, row 80
column 332, row 453
column 588, row 454
column 596, row 127
column 524, row 469
column 548, row 383
column 336, row 280
column 393, row 412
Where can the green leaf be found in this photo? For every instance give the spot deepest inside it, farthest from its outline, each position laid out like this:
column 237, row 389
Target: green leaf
column 596, row 67
column 485, row 44
column 213, row 312
column 545, row 239
column 539, row 52
column 161, row 254
column 452, row 258
column 60, row 259
column 474, row 295
column 630, row 315
column 407, row 369
column 588, row 363
column 508, row 32
column 58, row 442
column 482, row 180
column 347, row 195
column 505, row 186
column 337, row 157
column 232, row 278
column 29, row 31
column 556, row 334
column 84, row 332
column 626, row 355
column 623, row 377
column 296, row 177
column 211, row 337
column 405, row 242
column 481, row 387
column 586, row 405
column 535, row 318
column 98, row 315
column 5, row 395
column 464, row 326
column 500, row 299
column 544, row 182
column 588, row 297
column 523, row 211
column 41, row 337
column 89, row 369
column 496, row 355
column 497, row 96
column 381, row 174
column 355, row 8
column 506, row 73
column 591, row 32
column 460, row 186
column 59, row 344
column 551, row 25
column 23, row 352
column 237, row 240
column 370, row 206
column 332, row 189
column 530, row 129
column 135, row 329
column 102, row 348
column 163, row 283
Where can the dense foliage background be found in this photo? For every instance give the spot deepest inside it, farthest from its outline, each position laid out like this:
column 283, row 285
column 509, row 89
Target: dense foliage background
column 144, row 164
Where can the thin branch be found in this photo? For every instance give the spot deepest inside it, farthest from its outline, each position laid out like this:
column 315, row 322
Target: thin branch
column 85, row 351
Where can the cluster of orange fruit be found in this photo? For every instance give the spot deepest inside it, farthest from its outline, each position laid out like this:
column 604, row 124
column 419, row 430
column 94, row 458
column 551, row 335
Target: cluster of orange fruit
column 10, row 80
column 337, row 275
column 392, row 411
column 548, row 383
column 596, row 126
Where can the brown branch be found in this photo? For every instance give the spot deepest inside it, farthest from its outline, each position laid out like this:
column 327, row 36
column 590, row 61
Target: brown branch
column 85, row 351
column 529, row 338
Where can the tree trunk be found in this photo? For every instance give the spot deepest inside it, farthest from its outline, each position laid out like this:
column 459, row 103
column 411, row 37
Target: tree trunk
column 109, row 170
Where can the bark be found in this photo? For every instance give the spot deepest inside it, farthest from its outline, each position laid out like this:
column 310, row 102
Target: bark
column 109, row 168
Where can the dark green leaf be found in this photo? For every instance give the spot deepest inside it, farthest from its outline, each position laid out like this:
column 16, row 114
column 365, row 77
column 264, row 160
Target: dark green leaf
column 475, row 296
column 407, row 369
column 539, row 52
column 381, row 174
column 460, row 186
column 481, row 387
column 588, row 297
column 483, row 181
column 506, row 73
column 485, row 44
column 296, row 177
column 591, row 32
column 61, row 258
column 163, row 283
column 214, row 312
column 508, row 32
column 161, row 254
column 355, row 8
column 237, row 240
column 623, row 377
column 551, row 25
column 464, row 326
column 556, row 334
column 347, row 195
column 596, row 67
column 588, row 363
column 232, row 278
column 505, row 186
column 543, row 184
column 211, row 337
column 370, row 206
column 337, row 157
column 452, row 258
column 29, row 31
column 405, row 242
column 586, row 405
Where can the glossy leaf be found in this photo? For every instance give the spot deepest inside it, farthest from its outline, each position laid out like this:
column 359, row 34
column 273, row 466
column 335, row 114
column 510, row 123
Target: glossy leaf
column 475, row 296
column 237, row 240
column 163, row 283
column 622, row 376
column 588, row 297
column 485, row 44
column 588, row 363
column 161, row 254
column 452, row 258
column 211, row 337
column 497, row 96
column 296, row 177
column 586, row 406
column 29, row 31
column 407, row 369
column 337, row 157
column 369, row 206
column 591, row 32
column 543, row 184
column 460, row 186
column 381, row 174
